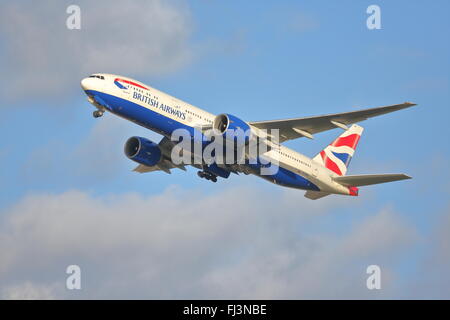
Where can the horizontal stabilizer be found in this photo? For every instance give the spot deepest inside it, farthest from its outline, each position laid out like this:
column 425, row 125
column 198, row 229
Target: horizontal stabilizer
column 368, row 179
column 314, row 195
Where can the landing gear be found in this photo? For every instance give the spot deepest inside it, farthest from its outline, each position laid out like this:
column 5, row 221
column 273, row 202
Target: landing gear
column 97, row 113
column 207, row 176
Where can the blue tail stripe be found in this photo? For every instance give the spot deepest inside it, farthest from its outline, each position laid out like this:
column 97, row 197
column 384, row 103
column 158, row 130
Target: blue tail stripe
column 344, row 157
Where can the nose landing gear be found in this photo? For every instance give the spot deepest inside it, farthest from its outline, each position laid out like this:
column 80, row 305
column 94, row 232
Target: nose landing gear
column 97, row 113
column 207, row 176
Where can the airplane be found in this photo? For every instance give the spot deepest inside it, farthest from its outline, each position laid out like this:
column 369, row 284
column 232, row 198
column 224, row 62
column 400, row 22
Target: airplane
column 320, row 176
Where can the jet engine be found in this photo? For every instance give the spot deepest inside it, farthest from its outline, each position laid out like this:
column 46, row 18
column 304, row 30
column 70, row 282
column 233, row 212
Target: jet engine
column 143, row 151
column 231, row 127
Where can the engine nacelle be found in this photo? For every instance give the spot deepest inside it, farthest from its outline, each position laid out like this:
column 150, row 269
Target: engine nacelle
column 143, row 151
column 232, row 127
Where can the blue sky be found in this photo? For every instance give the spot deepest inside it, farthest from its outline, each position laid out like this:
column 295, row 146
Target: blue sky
column 279, row 60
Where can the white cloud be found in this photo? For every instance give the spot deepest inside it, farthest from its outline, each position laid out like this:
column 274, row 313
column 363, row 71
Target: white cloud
column 42, row 57
column 28, row 291
column 237, row 243
column 319, row 266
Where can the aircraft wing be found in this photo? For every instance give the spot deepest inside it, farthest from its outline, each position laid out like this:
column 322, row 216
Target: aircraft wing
column 305, row 127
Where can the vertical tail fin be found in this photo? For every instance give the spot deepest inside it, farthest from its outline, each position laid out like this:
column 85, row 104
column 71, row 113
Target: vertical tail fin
column 338, row 154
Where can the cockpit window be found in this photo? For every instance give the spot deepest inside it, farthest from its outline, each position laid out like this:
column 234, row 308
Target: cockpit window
column 96, row 76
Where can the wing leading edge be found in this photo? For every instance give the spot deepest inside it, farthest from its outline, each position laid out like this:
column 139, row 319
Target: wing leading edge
column 306, row 127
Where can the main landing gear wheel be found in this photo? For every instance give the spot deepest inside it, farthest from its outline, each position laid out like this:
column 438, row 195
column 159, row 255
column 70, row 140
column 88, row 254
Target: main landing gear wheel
column 207, row 176
column 97, row 113
column 201, row 174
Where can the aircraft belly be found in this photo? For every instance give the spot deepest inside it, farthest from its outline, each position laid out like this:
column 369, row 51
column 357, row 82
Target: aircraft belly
column 288, row 178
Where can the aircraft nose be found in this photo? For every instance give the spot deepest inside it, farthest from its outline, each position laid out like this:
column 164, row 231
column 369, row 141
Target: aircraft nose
column 85, row 84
